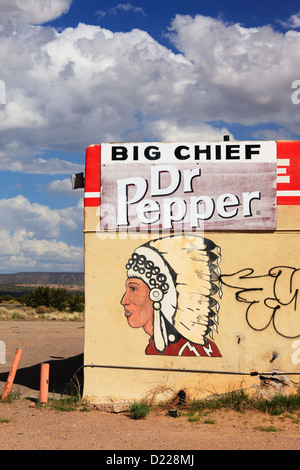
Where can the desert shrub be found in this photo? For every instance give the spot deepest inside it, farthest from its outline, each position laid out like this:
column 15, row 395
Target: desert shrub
column 57, row 298
column 6, row 298
column 18, row 315
column 76, row 303
column 42, row 310
column 37, row 297
column 139, row 410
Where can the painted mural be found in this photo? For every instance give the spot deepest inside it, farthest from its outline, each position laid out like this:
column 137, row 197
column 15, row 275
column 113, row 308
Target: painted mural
column 172, row 291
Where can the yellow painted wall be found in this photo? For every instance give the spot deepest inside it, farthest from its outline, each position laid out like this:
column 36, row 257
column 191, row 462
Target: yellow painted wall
column 245, row 346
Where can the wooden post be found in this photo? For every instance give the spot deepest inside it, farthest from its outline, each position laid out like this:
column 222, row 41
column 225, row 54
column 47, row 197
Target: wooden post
column 44, row 383
column 12, row 373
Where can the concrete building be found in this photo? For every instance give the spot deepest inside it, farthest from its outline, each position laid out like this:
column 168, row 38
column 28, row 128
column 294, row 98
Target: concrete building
column 192, row 269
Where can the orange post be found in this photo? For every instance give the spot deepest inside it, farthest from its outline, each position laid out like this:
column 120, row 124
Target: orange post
column 12, row 373
column 44, row 383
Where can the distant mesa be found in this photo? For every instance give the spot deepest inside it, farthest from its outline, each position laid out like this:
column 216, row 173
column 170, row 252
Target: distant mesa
column 43, row 278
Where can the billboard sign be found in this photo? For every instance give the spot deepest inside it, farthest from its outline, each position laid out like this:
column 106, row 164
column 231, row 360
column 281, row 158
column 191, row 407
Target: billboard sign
column 188, row 186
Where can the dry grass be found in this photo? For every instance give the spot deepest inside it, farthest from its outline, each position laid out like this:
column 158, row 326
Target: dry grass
column 16, row 312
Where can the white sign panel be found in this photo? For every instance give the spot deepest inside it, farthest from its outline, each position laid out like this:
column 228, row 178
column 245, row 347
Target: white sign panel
column 188, row 186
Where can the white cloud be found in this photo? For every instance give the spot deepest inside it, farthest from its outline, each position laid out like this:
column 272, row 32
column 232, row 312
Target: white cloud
column 293, row 21
column 88, row 85
column 245, row 73
column 82, row 86
column 32, row 11
column 121, row 7
column 31, row 235
column 43, row 222
column 20, row 250
column 165, row 130
column 64, row 187
column 100, row 14
column 127, row 7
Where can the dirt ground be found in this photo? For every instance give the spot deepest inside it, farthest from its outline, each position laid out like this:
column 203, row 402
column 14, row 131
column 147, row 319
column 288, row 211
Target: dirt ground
column 24, row 426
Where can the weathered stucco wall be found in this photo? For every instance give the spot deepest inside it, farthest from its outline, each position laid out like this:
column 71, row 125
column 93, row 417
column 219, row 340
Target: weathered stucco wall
column 248, row 334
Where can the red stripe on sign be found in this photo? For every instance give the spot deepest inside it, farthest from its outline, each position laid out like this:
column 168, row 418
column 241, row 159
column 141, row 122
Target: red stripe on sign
column 92, row 176
column 92, row 202
column 288, row 173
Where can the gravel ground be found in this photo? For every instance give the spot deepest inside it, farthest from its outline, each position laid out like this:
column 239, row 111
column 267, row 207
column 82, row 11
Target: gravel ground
column 25, row 426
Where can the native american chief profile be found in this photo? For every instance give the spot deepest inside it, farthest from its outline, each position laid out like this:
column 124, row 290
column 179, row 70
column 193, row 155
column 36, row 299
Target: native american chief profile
column 172, row 289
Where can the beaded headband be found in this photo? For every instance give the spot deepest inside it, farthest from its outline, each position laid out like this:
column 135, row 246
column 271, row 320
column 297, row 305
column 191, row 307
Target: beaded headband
column 139, row 264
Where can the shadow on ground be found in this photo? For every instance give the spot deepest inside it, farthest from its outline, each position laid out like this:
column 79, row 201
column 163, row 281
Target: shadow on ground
column 60, row 376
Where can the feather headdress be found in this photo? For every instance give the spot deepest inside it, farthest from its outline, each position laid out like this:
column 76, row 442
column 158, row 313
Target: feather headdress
column 182, row 273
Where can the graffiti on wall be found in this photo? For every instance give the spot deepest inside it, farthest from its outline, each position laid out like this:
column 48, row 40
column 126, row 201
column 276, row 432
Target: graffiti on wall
column 272, row 299
column 172, row 292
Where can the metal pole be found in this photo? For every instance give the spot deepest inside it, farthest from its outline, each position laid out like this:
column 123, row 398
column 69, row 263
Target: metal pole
column 12, row 373
column 44, row 383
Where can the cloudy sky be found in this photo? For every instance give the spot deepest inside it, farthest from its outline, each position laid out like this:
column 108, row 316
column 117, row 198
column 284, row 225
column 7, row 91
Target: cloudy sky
column 75, row 73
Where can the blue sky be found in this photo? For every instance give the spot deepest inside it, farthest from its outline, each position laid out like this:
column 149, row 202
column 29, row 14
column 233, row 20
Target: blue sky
column 75, row 73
